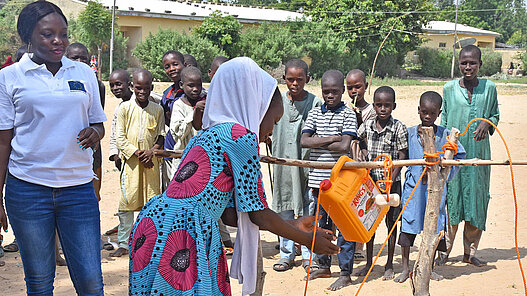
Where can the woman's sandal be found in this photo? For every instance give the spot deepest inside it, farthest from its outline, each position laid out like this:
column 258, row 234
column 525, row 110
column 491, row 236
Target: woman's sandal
column 12, row 247
column 282, row 265
column 305, row 265
column 228, row 251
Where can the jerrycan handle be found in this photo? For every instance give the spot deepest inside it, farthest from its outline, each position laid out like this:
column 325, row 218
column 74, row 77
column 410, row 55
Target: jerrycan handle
column 338, row 166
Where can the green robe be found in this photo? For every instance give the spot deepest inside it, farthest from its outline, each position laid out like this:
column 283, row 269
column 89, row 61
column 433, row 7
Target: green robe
column 290, row 183
column 468, row 193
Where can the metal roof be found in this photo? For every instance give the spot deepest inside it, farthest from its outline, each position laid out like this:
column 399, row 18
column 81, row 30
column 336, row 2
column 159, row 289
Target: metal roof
column 181, row 9
column 444, row 27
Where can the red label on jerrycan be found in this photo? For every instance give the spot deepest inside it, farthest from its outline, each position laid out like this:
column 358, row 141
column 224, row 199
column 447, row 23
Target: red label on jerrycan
column 348, row 197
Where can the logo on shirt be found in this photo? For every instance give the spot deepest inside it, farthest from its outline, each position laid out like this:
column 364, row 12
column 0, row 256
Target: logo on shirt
column 76, row 86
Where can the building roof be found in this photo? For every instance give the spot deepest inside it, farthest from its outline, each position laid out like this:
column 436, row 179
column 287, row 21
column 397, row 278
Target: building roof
column 444, row 27
column 188, row 10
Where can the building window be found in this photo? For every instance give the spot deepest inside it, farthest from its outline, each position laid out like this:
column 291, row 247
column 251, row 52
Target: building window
column 442, row 44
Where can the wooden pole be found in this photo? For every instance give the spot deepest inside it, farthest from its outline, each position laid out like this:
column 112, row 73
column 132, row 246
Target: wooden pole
column 358, row 165
column 420, row 277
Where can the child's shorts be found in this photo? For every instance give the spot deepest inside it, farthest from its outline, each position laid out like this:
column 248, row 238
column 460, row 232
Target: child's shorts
column 407, row 240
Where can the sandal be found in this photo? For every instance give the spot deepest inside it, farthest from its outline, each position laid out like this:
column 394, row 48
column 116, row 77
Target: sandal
column 305, row 265
column 282, row 265
column 12, row 247
column 228, row 251
column 112, row 231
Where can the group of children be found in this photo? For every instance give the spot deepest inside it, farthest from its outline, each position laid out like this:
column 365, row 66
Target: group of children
column 324, row 130
column 142, row 124
column 310, row 129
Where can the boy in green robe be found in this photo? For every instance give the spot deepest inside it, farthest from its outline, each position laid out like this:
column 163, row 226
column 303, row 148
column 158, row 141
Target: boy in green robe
column 468, row 194
column 290, row 191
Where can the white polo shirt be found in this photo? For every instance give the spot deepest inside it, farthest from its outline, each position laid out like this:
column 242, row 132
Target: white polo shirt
column 46, row 114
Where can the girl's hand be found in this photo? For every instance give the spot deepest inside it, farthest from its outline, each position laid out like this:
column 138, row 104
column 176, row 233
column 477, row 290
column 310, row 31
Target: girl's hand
column 88, row 138
column 481, row 131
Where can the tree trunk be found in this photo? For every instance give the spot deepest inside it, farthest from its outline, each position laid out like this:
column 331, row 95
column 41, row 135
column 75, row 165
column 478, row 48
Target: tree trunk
column 420, row 277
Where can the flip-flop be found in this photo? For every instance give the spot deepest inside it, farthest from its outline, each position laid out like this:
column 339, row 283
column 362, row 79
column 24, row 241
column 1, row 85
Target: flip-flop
column 282, row 265
column 305, row 265
column 228, row 251
column 11, row 248
column 112, row 231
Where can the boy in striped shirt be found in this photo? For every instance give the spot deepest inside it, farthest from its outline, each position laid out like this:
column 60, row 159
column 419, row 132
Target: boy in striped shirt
column 328, row 131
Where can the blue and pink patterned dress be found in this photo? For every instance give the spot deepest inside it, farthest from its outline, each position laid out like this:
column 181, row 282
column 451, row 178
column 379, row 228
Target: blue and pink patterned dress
column 175, row 246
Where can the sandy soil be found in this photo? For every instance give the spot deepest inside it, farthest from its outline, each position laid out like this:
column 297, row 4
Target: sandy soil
column 500, row 276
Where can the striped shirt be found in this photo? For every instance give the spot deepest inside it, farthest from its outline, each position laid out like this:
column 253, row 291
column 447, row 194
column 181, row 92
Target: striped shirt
column 392, row 139
column 326, row 122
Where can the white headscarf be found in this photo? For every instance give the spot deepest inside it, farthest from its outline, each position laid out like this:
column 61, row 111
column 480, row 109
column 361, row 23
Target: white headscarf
column 240, row 92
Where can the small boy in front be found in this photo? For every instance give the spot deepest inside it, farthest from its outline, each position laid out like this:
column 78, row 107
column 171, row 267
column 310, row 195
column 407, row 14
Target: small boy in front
column 173, row 64
column 413, row 217
column 291, row 195
column 140, row 130
column 385, row 135
column 183, row 109
column 328, row 132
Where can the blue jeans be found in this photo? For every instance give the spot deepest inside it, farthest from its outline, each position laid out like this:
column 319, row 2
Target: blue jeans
column 287, row 246
column 35, row 211
column 347, row 248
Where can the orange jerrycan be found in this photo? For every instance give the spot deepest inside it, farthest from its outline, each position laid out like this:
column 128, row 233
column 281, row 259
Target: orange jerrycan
column 349, row 199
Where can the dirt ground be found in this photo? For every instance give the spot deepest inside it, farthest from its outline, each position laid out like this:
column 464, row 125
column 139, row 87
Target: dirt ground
column 500, row 276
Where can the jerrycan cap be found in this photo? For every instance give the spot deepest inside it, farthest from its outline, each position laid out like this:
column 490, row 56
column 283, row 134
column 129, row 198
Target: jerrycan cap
column 325, row 184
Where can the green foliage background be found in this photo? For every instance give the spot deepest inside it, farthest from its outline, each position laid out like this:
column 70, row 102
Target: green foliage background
column 151, row 50
column 438, row 62
column 9, row 39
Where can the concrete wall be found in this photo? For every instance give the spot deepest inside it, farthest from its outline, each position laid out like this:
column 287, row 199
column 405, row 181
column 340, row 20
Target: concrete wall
column 508, row 56
column 433, row 40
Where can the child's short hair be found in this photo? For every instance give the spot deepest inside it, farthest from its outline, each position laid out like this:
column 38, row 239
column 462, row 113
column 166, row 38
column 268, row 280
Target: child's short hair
column 384, row 90
column 142, row 72
column 123, row 72
column 471, row 49
column 432, row 97
column 189, row 72
column 190, row 60
column 333, row 75
column 76, row 45
column 357, row 72
column 178, row 55
column 297, row 63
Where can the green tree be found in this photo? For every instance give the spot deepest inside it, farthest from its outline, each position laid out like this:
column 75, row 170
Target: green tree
column 363, row 25
column 9, row 39
column 502, row 16
column 93, row 28
column 223, row 31
column 151, row 50
column 518, row 38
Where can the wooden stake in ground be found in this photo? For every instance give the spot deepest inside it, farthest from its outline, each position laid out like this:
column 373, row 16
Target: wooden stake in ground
column 420, row 277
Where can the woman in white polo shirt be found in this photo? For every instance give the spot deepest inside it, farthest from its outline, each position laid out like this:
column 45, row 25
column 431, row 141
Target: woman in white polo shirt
column 50, row 122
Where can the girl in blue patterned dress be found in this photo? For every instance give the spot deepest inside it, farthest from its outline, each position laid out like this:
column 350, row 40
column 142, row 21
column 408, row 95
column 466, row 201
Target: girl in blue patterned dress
column 175, row 246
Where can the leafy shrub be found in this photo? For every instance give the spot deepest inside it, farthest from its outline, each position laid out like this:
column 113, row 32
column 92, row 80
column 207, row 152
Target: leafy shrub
column 438, row 62
column 491, row 62
column 268, row 45
column 435, row 62
column 151, row 50
column 222, row 31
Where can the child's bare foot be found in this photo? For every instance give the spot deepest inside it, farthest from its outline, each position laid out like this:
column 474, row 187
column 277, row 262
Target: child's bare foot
column 436, row 277
column 402, row 277
column 60, row 261
column 473, row 260
column 388, row 274
column 363, row 271
column 441, row 260
column 341, row 282
column 319, row 273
